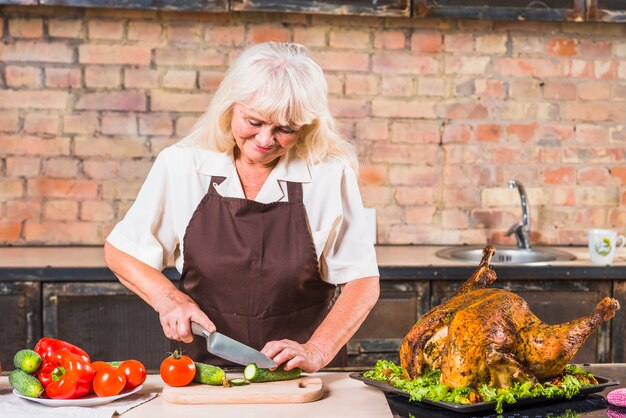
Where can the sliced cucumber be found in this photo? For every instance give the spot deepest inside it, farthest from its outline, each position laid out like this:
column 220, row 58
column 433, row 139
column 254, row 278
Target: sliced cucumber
column 255, row 374
column 238, row 381
column 208, row 374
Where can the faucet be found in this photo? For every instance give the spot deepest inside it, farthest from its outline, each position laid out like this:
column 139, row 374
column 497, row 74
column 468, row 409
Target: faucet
column 521, row 229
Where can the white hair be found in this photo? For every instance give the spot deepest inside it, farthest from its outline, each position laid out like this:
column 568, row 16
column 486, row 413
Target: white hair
column 279, row 81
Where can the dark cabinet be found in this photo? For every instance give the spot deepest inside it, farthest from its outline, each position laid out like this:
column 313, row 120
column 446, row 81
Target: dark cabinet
column 337, row 7
column 399, row 306
column 20, row 318
column 607, row 10
column 205, row 5
column 555, row 302
column 106, row 320
column 558, row 10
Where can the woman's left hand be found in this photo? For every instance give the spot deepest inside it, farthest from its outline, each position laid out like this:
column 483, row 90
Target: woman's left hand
column 292, row 354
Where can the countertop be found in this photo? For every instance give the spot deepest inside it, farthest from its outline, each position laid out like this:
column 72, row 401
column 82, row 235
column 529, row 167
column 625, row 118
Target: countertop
column 396, row 262
column 345, row 397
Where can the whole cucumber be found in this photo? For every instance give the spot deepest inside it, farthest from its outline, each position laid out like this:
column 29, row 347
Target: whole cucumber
column 255, row 374
column 27, row 360
column 25, row 384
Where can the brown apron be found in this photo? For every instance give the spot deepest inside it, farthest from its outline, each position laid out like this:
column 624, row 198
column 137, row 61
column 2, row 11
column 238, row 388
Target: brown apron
column 252, row 268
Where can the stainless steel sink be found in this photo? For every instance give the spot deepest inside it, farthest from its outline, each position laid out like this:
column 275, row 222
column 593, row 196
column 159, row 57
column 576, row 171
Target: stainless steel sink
column 506, row 255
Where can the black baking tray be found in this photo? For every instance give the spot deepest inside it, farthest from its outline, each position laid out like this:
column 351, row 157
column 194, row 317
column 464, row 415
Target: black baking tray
column 603, row 383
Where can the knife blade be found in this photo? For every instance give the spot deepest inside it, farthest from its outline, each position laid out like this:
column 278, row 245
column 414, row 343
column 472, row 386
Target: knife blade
column 231, row 350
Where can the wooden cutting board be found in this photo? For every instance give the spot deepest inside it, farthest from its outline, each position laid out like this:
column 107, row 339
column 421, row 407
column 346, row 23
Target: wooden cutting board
column 303, row 389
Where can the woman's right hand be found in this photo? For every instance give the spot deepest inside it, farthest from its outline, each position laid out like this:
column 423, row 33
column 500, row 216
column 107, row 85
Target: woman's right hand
column 176, row 311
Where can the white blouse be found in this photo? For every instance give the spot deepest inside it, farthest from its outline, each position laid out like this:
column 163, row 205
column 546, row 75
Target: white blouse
column 154, row 227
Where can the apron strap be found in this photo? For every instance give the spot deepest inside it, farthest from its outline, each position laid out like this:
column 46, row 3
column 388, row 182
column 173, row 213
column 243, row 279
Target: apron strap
column 215, row 180
column 294, row 191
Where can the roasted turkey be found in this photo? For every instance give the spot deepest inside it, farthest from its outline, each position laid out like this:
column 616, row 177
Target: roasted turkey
column 489, row 336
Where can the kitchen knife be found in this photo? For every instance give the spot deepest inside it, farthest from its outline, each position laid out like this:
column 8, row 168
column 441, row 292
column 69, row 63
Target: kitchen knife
column 231, row 350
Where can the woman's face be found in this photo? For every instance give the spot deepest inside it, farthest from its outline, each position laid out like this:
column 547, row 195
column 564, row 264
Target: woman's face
column 259, row 140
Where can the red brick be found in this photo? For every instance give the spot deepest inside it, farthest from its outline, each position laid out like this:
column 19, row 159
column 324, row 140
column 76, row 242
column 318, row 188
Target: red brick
column 606, row 70
column 61, row 167
column 140, row 78
column 376, row 196
column 109, row 147
column 33, row 99
column 373, row 175
column 100, row 169
column 189, row 57
column 258, row 34
column 22, row 166
column 64, row 188
column 123, row 13
column 341, row 61
column 390, row 40
column 361, row 84
column 564, row 196
column 121, row 100
column 310, row 36
column 60, row 210
column 23, row 209
column 335, row 83
column 397, row 85
column 554, row 133
column 11, row 188
column 210, row 80
column 180, row 79
column 455, row 219
column 580, row 68
column 179, row 102
column 592, row 134
column 521, row 132
column 617, row 218
column 454, row 133
column 144, row 31
column 413, row 175
column 372, row 129
column 594, row 175
column 585, row 111
column 114, row 54
column 227, row 36
column 65, row 28
column 522, row 88
column 432, row 87
column 427, row 42
column 9, row 121
column 466, row 111
column 491, row 44
column 105, row 29
column 30, row 145
column 159, row 143
column 185, row 32
column 23, row 76
column 38, row 123
column 487, row 218
column 596, row 48
column 10, row 231
column 63, row 77
column 422, row 215
column 125, row 124
column 81, row 123
column 458, row 42
column 416, row 131
column 414, row 195
column 488, row 133
column 155, row 125
column 559, row 175
column 419, row 109
column 184, row 125
column 528, row 67
column 464, row 197
column 95, row 210
column 62, row 232
column 562, row 47
column 353, row 39
column 134, row 169
column 404, row 63
column 619, row 173
column 26, row 28
column 120, row 189
column 36, row 51
column 559, row 90
column 528, row 46
column 489, row 89
column 102, row 76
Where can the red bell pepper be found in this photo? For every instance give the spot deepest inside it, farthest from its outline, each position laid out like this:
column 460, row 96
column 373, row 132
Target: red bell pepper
column 66, row 375
column 46, row 346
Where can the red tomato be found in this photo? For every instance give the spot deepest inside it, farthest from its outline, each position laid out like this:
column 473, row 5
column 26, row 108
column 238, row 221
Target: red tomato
column 135, row 373
column 177, row 370
column 109, row 381
column 99, row 365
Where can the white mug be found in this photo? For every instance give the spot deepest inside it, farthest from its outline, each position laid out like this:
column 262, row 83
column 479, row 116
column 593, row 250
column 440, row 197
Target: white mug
column 602, row 245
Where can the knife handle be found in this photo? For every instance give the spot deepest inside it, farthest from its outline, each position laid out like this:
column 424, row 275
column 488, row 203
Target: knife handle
column 198, row 329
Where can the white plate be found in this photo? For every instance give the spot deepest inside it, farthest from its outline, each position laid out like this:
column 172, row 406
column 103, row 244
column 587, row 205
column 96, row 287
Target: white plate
column 87, row 400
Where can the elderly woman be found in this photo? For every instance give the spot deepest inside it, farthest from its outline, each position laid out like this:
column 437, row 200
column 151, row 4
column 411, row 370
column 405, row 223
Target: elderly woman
column 260, row 207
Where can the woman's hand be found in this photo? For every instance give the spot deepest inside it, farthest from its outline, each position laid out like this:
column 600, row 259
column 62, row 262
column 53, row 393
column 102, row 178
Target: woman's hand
column 176, row 311
column 292, row 354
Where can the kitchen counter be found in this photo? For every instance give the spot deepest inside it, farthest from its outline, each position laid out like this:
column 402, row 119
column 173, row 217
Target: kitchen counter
column 345, row 397
column 395, row 261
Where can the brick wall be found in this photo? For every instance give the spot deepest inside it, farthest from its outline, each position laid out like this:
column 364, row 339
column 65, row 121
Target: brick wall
column 444, row 113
